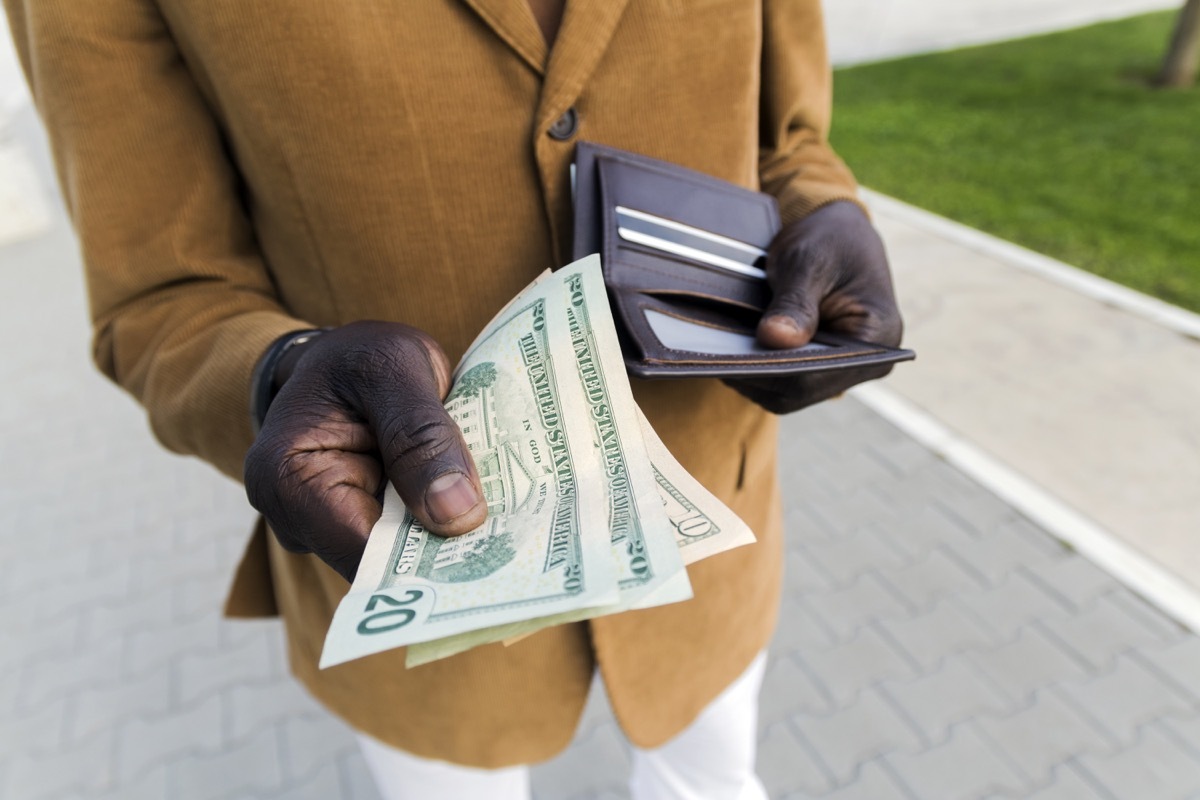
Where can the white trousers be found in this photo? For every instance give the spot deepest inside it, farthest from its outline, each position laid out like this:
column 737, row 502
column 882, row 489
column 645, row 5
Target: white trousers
column 711, row 759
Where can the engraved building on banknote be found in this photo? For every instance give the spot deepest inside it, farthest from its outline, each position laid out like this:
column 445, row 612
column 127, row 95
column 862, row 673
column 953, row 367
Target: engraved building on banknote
column 509, row 483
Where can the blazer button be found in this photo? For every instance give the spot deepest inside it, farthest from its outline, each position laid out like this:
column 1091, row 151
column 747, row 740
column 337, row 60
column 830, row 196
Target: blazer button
column 565, row 126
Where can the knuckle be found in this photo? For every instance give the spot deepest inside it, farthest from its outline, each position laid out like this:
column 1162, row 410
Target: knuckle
column 788, row 248
column 253, row 463
column 401, row 356
column 805, row 275
column 416, row 440
column 788, row 264
column 276, row 478
column 363, row 362
column 260, row 465
column 884, row 328
column 793, row 296
column 343, row 559
column 406, row 346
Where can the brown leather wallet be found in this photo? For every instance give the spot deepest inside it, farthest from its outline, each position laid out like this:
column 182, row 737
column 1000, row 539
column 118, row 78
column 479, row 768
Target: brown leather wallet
column 684, row 258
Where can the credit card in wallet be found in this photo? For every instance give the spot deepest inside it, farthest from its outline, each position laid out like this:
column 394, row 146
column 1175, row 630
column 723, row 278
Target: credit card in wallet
column 686, row 241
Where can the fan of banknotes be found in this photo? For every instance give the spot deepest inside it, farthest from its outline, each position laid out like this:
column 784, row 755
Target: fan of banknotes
column 588, row 512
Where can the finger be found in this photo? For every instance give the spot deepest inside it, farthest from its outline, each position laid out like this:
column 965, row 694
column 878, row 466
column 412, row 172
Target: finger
column 343, row 511
column 860, row 321
column 838, row 382
column 439, row 365
column 793, row 314
column 324, row 503
column 427, row 460
column 423, row 450
column 788, row 394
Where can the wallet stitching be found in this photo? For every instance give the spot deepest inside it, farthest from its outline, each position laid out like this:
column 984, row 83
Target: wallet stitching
column 735, row 361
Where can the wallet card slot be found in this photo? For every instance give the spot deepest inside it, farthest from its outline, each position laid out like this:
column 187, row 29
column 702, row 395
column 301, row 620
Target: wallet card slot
column 687, row 338
column 720, row 262
column 645, row 269
column 694, row 244
column 715, row 312
column 652, row 223
column 683, row 334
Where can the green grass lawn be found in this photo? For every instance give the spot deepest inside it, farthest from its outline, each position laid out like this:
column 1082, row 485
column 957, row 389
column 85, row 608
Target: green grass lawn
column 1057, row 143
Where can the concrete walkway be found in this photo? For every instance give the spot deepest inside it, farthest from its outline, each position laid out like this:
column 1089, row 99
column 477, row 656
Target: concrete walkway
column 874, row 30
column 1088, row 390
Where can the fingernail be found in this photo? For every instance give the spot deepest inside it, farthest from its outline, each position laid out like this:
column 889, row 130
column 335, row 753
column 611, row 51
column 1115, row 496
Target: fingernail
column 450, row 496
column 786, row 324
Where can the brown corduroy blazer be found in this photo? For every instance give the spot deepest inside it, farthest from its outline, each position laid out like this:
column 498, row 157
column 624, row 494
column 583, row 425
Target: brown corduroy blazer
column 237, row 170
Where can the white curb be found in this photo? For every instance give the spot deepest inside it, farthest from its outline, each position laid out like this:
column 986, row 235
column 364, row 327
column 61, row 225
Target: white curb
column 1131, row 567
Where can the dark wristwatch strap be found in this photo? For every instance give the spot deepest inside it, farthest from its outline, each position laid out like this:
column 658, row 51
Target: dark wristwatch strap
column 262, row 382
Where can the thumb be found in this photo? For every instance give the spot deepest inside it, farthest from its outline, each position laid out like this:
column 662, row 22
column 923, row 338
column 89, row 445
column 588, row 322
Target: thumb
column 422, row 449
column 791, row 318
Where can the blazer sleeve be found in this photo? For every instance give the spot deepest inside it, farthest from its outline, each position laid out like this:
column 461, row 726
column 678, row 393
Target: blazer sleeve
column 181, row 300
column 796, row 163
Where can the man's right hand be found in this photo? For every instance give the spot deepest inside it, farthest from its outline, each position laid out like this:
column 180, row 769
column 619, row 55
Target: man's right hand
column 361, row 403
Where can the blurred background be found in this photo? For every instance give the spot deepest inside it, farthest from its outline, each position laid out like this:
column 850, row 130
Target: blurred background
column 993, row 568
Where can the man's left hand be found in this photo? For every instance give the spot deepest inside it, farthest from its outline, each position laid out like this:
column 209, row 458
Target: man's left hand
column 828, row 270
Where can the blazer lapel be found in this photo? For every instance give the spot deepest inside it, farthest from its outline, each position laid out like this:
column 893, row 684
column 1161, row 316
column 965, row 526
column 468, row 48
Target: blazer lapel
column 587, row 28
column 513, row 21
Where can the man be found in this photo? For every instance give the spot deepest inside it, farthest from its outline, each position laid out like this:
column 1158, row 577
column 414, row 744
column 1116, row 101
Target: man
column 241, row 172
